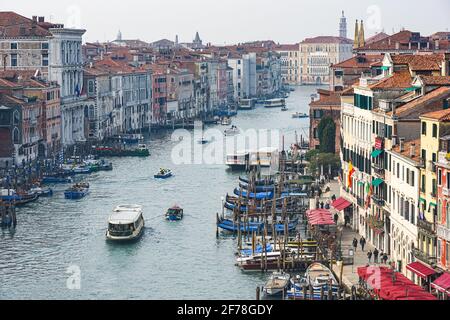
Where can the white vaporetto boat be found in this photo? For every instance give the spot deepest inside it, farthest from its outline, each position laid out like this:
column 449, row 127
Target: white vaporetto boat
column 126, row 223
column 275, row 103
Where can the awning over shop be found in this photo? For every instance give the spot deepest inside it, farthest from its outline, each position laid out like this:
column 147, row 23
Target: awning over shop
column 420, row 269
column 320, row 217
column 442, row 283
column 391, row 285
column 377, row 182
column 376, row 153
column 341, row 204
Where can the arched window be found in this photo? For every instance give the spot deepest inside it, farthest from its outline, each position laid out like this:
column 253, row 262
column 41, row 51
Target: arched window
column 16, row 136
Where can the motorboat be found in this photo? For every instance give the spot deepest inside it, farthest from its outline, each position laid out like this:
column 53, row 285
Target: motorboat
column 126, row 223
column 42, row 191
column 163, row 174
column 232, row 131
column 275, row 103
column 77, row 191
column 299, row 115
column 277, row 284
column 174, row 214
column 284, row 108
column 225, row 121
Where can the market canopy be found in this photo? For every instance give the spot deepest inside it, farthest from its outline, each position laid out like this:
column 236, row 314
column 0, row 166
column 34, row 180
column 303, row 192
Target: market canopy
column 320, row 217
column 377, row 182
column 376, row 153
column 388, row 284
column 420, row 269
column 341, row 204
column 442, row 283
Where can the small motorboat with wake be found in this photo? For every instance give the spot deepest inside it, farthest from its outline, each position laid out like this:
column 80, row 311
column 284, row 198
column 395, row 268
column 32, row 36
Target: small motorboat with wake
column 284, row 108
column 277, row 284
column 299, row 115
column 42, row 191
column 232, row 131
column 175, row 214
column 163, row 174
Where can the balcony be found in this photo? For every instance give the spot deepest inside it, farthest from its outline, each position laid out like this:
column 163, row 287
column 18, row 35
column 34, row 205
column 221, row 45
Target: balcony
column 378, row 170
column 445, row 192
column 426, row 226
column 444, row 158
column 423, row 256
column 443, row 232
column 378, row 200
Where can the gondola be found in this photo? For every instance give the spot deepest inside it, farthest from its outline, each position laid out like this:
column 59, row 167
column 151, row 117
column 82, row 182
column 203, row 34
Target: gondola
column 258, row 196
column 229, row 225
column 261, row 182
column 258, row 188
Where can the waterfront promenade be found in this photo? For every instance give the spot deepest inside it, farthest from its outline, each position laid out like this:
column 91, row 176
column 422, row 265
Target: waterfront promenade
column 350, row 272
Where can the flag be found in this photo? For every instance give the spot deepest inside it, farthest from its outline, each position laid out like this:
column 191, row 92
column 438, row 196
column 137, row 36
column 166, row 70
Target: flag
column 351, row 171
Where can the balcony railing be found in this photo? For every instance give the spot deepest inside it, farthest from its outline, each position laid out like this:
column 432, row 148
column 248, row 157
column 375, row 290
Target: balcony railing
column 445, row 192
column 423, row 256
column 378, row 170
column 378, row 200
column 426, row 226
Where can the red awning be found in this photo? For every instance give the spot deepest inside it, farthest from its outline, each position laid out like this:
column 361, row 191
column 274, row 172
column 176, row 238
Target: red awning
column 420, row 269
column 389, row 287
column 320, row 217
column 442, row 283
column 341, row 204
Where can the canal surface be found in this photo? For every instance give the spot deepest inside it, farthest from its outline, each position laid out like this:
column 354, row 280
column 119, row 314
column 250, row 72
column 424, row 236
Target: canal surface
column 184, row 260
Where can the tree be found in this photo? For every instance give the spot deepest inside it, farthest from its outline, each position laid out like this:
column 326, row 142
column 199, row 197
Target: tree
column 327, row 135
column 325, row 160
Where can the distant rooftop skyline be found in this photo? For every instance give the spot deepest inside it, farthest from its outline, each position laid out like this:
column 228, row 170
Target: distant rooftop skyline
column 234, row 21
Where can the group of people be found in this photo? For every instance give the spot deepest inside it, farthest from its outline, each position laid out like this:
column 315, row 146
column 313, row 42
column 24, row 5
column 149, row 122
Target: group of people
column 376, row 255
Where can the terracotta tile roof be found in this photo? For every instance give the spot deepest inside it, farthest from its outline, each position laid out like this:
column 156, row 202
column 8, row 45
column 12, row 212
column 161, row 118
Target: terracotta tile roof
column 399, row 80
column 287, row 47
column 428, row 102
column 435, row 80
column 327, row 98
column 440, row 115
column 327, row 39
column 361, row 61
column 13, row 25
column 406, row 152
column 8, row 84
column 378, row 37
column 389, row 43
column 429, row 62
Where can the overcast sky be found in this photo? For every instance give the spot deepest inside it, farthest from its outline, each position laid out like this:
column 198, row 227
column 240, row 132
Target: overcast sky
column 232, row 21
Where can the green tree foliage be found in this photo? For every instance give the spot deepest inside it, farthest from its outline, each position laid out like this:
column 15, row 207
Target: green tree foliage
column 324, row 159
column 327, row 135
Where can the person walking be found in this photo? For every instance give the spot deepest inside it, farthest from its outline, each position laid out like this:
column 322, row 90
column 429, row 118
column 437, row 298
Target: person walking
column 346, row 220
column 385, row 258
column 336, row 218
column 369, row 256
column 375, row 255
column 355, row 243
column 362, row 242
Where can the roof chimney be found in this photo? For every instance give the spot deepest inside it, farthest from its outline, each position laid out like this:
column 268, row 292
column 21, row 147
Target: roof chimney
column 41, row 19
column 412, row 150
column 35, row 18
column 402, row 144
column 397, row 45
column 436, row 44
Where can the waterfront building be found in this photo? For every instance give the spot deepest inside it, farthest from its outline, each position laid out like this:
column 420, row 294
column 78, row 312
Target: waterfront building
column 289, row 60
column 318, row 53
column 66, row 68
column 244, row 75
column 180, row 94
column 328, row 105
column 21, row 125
column 24, row 42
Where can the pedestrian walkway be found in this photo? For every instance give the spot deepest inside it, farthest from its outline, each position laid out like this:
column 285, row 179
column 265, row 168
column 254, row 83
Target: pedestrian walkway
column 350, row 272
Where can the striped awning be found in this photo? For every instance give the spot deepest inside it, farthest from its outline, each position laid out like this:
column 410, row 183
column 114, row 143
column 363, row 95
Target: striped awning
column 442, row 283
column 420, row 269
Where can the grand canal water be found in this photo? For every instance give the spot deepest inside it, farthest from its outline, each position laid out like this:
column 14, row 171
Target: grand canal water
column 172, row 261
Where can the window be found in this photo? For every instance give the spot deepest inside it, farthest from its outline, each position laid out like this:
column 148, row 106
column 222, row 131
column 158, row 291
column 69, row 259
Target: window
column 412, row 179
column 91, row 86
column 435, row 130
column 424, row 155
column 439, row 177
column 13, row 45
column 423, row 183
column 44, row 45
column 45, row 59
column 424, row 128
column 448, row 180
column 13, row 60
